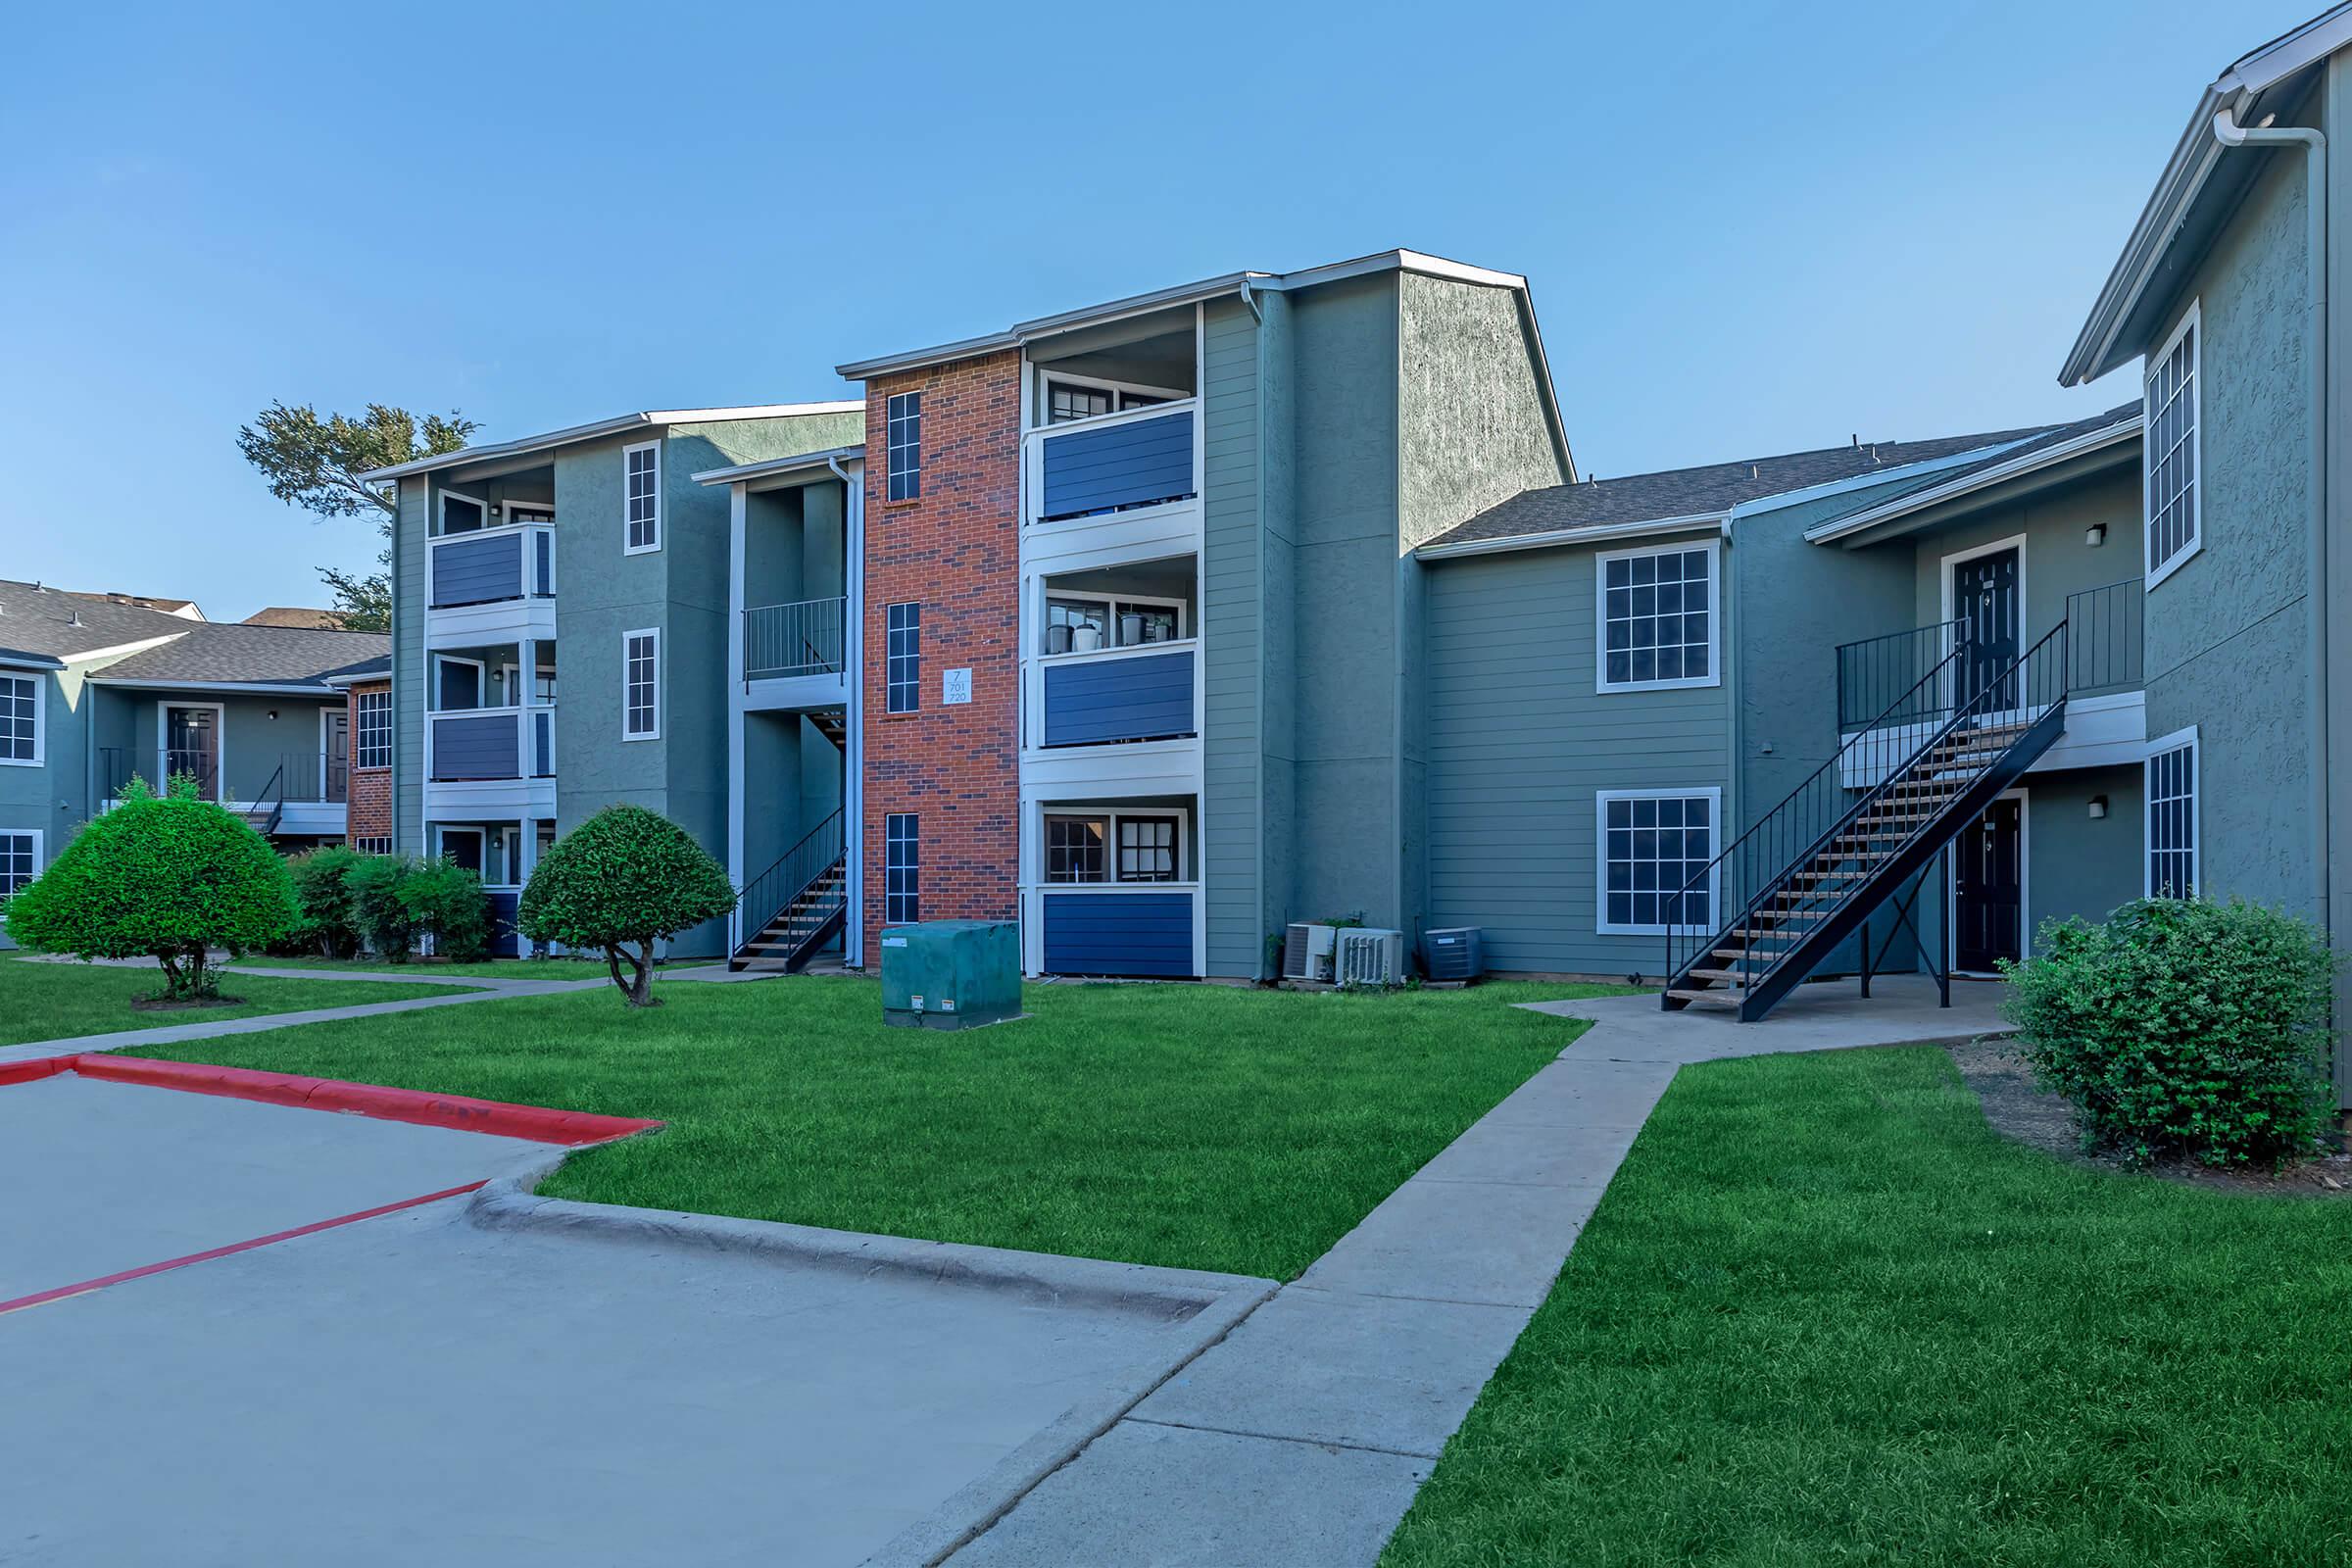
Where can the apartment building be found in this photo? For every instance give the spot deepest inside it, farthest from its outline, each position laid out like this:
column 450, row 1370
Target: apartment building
column 589, row 562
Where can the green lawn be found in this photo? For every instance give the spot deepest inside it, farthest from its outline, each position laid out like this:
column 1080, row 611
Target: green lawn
column 64, row 1001
column 1197, row 1126
column 1824, row 1314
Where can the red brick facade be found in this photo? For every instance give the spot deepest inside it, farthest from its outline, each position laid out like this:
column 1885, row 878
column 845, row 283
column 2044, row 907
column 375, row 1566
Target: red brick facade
column 956, row 551
column 370, row 793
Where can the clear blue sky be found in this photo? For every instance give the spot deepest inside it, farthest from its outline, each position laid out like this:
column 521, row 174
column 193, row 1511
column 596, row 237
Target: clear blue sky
column 1750, row 229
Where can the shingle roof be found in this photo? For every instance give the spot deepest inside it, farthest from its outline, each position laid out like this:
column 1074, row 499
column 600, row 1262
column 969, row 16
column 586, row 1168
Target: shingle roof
column 2057, row 435
column 276, row 655
column 35, row 619
column 380, row 665
column 1704, row 491
column 297, row 616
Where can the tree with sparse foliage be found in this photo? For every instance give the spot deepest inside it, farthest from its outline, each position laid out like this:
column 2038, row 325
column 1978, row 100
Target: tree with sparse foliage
column 623, row 880
column 316, row 463
column 169, row 877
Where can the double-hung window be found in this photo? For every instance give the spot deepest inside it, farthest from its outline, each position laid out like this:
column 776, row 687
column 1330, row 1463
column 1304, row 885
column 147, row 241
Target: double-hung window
column 641, row 513
column 375, row 729
column 904, row 429
column 902, row 658
column 20, row 858
column 1654, row 617
column 901, row 868
column 2171, row 791
column 21, row 719
column 2169, row 451
column 1654, row 845
column 641, row 685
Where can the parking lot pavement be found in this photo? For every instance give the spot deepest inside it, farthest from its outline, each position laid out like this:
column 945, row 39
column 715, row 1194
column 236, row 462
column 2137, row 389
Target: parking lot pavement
column 422, row 1387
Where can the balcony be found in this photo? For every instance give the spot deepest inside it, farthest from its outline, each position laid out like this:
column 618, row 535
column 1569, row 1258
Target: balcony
column 1119, row 929
column 301, row 794
column 1113, row 463
column 491, row 566
column 483, row 745
column 1131, row 694
column 782, row 642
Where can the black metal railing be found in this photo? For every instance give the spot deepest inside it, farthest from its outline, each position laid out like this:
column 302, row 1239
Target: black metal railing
column 1783, row 876
column 777, row 889
column 1873, row 672
column 268, row 807
column 2106, row 639
column 310, row 777
column 201, row 763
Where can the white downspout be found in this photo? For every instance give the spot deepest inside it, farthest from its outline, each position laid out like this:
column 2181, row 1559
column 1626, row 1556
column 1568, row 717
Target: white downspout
column 2229, row 134
column 852, row 761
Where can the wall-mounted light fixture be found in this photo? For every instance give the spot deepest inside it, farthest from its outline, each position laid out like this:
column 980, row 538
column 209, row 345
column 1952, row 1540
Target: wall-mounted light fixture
column 2095, row 535
column 2098, row 807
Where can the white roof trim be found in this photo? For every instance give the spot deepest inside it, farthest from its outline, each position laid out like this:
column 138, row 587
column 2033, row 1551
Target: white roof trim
column 771, row 465
column 466, row 455
column 1022, row 332
column 352, row 678
column 2017, row 466
column 2183, row 179
column 170, row 683
column 1697, row 523
column 120, row 650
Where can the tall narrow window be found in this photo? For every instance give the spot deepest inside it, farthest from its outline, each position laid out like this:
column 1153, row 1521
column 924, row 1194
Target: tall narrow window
column 641, row 685
column 1651, row 848
column 2172, row 790
column 902, row 658
column 2169, row 449
column 901, row 869
column 20, row 860
column 1655, row 619
column 374, row 743
column 642, row 468
column 21, row 719
column 906, row 455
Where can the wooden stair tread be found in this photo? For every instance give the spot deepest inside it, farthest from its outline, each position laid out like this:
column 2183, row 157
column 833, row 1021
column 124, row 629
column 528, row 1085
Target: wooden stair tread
column 1706, row 998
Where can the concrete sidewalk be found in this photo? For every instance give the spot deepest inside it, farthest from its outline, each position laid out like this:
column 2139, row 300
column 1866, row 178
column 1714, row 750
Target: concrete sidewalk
column 1302, row 1436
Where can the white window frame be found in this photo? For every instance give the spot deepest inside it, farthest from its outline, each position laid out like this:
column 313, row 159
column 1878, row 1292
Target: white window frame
column 519, row 513
column 2190, row 325
column 1713, row 547
column 40, row 717
column 360, row 703
column 654, row 542
column 1112, row 604
column 1147, row 396
column 40, row 851
column 482, row 511
column 1111, row 817
column 891, row 448
column 2164, row 746
column 627, row 639
column 1713, row 795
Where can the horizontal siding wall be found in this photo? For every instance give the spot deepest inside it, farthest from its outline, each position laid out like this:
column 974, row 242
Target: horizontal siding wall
column 476, row 747
column 1146, row 698
column 1119, row 933
column 1123, row 466
column 1519, row 747
column 1232, row 633
column 478, row 572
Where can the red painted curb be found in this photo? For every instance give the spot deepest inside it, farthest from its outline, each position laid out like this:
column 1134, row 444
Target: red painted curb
column 141, row 1272
column 538, row 1123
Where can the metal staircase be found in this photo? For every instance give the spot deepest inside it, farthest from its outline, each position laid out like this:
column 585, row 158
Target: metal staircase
column 799, row 903
column 1871, row 821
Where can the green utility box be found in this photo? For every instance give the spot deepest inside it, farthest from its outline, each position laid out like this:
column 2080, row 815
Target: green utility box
column 950, row 974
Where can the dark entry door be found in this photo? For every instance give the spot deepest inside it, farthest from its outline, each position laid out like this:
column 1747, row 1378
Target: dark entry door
column 192, row 746
column 1985, row 596
column 1988, row 901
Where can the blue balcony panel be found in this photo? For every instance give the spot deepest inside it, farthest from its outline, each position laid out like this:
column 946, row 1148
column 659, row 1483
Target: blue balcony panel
column 1089, row 702
column 1129, row 464
column 1143, row 934
column 477, row 571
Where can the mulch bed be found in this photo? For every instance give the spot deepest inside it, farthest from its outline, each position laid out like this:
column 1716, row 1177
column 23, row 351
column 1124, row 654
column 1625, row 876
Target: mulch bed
column 2020, row 1111
column 182, row 1004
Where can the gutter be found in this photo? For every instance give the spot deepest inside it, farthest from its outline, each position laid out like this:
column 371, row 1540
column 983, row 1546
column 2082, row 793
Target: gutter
column 255, row 688
column 1699, row 522
column 2016, row 468
column 2231, row 135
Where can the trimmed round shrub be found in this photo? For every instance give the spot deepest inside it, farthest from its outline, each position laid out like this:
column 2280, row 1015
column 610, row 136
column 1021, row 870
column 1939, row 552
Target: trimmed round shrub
column 168, row 878
column 2183, row 1026
column 623, row 880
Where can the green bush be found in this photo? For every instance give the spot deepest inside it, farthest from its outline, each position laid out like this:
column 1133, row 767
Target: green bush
column 330, row 921
column 2183, row 1025
column 446, row 901
column 377, row 908
column 622, row 881
column 167, row 877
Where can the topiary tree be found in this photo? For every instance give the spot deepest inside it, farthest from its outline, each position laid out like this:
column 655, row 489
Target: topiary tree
column 2183, row 1025
column 622, row 881
column 167, row 877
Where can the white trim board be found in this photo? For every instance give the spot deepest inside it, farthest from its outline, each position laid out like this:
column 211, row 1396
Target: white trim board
column 38, row 680
column 1601, row 925
column 2196, row 808
column 1601, row 684
column 2191, row 321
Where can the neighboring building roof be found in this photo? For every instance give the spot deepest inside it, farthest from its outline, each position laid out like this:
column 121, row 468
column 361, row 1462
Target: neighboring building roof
column 18, row 659
column 618, row 425
column 2196, row 191
column 276, row 658
column 184, row 608
column 367, row 669
column 38, row 619
column 2054, row 447
column 1701, row 495
column 296, row 615
column 767, row 467
column 1209, row 288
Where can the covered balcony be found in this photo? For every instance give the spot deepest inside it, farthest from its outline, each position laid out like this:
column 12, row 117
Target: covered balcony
column 490, row 563
column 1116, row 891
column 1117, row 655
column 489, row 728
column 794, row 634
column 1116, row 416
